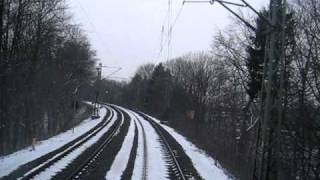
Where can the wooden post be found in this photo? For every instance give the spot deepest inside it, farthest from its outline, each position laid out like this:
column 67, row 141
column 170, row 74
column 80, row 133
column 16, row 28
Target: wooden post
column 33, row 145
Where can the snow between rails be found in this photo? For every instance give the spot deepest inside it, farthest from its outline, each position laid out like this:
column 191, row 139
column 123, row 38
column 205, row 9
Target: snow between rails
column 138, row 164
column 120, row 163
column 156, row 165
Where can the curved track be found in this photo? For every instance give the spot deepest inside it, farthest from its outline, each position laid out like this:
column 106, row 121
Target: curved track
column 175, row 165
column 76, row 174
column 145, row 152
column 66, row 150
column 92, row 154
column 179, row 164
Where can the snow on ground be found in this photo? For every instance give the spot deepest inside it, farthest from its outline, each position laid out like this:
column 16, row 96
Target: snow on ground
column 138, row 163
column 156, row 165
column 11, row 162
column 122, row 158
column 60, row 165
column 204, row 164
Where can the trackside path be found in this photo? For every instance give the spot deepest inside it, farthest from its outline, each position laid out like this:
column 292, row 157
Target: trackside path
column 69, row 158
column 12, row 162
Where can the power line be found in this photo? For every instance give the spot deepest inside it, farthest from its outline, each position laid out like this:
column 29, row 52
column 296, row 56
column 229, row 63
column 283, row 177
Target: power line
column 225, row 5
column 117, row 77
column 174, row 23
column 114, row 72
column 161, row 41
column 257, row 13
column 267, row 164
column 235, row 14
column 101, row 40
column 177, row 17
column 168, row 32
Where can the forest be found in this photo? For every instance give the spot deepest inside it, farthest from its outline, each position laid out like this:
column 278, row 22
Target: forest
column 44, row 60
column 214, row 97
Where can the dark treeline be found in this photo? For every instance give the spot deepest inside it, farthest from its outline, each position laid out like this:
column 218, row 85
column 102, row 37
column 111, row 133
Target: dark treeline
column 214, row 97
column 44, row 61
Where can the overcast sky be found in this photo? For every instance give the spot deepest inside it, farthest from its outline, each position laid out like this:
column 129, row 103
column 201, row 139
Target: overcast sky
column 127, row 33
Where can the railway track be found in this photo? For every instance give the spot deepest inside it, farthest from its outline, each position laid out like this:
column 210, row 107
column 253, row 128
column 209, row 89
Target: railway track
column 173, row 162
column 92, row 159
column 145, row 152
column 179, row 164
column 22, row 170
column 77, row 173
column 67, row 149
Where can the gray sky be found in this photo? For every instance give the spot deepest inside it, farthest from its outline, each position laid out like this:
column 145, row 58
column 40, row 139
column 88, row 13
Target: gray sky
column 127, row 33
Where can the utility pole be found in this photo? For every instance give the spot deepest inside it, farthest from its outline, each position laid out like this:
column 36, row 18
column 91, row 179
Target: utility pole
column 268, row 157
column 267, row 163
column 96, row 107
column 75, row 92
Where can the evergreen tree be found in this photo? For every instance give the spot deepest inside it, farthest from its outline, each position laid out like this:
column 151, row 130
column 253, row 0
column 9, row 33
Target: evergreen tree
column 256, row 52
column 158, row 91
column 256, row 58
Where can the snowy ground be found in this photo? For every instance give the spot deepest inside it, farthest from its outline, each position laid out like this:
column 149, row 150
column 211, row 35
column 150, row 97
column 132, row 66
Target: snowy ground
column 138, row 164
column 155, row 161
column 11, row 162
column 204, row 164
column 60, row 165
column 120, row 163
column 156, row 165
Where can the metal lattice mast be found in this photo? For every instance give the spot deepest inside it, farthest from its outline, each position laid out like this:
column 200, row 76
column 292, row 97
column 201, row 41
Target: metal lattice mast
column 267, row 165
column 97, row 92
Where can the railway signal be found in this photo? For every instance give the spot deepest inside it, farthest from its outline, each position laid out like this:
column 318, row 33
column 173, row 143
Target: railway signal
column 96, row 106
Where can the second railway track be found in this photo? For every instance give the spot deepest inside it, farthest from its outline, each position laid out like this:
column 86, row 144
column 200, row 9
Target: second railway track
column 179, row 164
column 145, row 152
column 66, row 150
column 76, row 174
